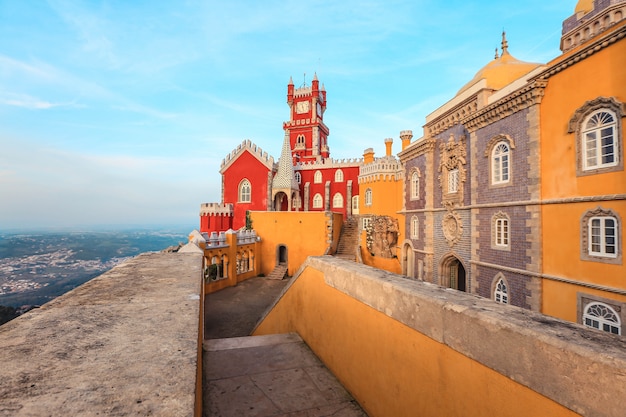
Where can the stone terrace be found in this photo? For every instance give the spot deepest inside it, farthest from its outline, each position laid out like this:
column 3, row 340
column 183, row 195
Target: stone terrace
column 125, row 343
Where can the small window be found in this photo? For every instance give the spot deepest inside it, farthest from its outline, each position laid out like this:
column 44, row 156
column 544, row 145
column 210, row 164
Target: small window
column 339, row 176
column 245, row 191
column 602, row 317
column 598, row 140
column 317, row 201
column 415, row 227
column 355, row 204
column 368, row 197
column 415, row 186
column 298, row 177
column 337, row 201
column 317, row 178
column 453, row 181
column 501, row 292
column 300, row 142
column 602, row 236
column 500, row 231
column 500, row 163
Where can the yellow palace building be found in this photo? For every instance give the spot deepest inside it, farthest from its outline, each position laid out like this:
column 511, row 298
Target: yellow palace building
column 583, row 188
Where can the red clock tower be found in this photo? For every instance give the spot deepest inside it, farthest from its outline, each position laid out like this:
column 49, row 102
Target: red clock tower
column 307, row 132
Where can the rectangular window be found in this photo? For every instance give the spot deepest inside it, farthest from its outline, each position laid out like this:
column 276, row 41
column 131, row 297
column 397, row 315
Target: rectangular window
column 453, row 181
column 502, row 232
column 603, row 237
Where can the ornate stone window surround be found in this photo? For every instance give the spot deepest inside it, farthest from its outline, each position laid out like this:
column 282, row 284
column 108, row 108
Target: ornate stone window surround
column 500, row 289
column 245, row 191
column 452, row 170
column 368, row 197
column 616, row 310
column 501, row 231
column 415, row 184
column 577, row 126
column 585, row 232
column 415, row 227
column 490, row 150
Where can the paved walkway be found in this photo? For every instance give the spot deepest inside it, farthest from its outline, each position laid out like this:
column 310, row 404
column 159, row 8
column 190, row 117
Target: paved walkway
column 263, row 376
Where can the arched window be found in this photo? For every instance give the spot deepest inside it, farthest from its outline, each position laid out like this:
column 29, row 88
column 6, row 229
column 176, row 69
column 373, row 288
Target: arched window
column 368, row 197
column 245, row 191
column 415, row 227
column 317, row 178
column 339, row 176
column 298, row 177
column 598, row 140
column 300, row 142
column 602, row 317
column 501, row 292
column 338, row 200
column 500, row 163
column 415, row 185
column 317, row 201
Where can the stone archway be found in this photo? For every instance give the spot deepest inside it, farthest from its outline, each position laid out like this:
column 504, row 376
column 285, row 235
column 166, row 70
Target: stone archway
column 281, row 201
column 453, row 274
column 281, row 255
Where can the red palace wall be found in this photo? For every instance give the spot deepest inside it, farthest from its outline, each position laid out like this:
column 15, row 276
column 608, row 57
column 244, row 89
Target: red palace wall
column 328, row 174
column 249, row 167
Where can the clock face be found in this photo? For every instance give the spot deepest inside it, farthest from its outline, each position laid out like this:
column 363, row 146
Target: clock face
column 302, row 107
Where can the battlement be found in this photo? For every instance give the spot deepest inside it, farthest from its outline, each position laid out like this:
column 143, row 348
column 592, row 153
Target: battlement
column 303, row 92
column 387, row 167
column 252, row 148
column 216, row 209
column 328, row 163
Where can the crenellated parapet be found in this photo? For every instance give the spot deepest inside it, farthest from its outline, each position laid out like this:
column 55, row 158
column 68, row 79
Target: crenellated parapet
column 255, row 150
column 386, row 168
column 328, row 163
column 303, row 91
column 216, row 209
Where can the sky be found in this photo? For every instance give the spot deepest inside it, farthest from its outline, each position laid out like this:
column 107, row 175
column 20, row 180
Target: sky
column 120, row 112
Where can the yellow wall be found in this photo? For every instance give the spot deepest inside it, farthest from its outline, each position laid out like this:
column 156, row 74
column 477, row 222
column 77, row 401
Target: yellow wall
column 391, row 369
column 303, row 233
column 602, row 74
column 387, row 197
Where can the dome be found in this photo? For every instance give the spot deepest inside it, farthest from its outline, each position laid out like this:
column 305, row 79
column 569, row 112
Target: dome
column 502, row 70
column 584, row 6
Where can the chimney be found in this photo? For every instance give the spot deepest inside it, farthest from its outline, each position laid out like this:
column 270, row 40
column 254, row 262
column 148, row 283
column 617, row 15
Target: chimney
column 406, row 136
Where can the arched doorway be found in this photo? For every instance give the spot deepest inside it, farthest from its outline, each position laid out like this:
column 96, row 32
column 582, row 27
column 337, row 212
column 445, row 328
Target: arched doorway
column 281, row 255
column 453, row 274
column 281, row 202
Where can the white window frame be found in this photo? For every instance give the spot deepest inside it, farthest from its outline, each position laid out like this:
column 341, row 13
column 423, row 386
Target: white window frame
column 368, row 197
column 415, row 186
column 501, row 163
column 245, row 191
column 339, row 176
column 591, row 137
column 318, row 201
column 415, row 227
column 501, row 291
column 338, row 200
column 453, row 181
column 603, row 317
column 503, row 232
column 317, row 177
column 603, row 238
column 298, row 177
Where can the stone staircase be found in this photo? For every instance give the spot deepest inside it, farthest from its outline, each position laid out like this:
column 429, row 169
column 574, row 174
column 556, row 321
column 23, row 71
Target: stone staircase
column 279, row 272
column 348, row 240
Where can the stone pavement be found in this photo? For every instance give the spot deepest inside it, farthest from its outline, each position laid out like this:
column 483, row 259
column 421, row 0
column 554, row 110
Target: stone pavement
column 262, row 376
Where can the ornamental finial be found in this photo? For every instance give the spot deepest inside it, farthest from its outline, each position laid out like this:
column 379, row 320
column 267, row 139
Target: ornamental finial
column 505, row 44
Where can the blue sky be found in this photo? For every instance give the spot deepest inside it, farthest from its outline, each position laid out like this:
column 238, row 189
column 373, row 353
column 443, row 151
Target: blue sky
column 120, row 112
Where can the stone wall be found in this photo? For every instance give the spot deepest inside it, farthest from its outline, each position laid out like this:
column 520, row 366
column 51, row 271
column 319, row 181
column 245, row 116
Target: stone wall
column 406, row 348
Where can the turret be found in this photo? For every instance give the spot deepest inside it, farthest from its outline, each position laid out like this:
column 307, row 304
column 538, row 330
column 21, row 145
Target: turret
column 315, row 86
column 368, row 156
column 290, row 91
column 406, row 136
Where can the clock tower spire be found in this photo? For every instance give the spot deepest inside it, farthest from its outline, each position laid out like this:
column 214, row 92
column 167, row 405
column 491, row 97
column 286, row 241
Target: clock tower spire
column 308, row 135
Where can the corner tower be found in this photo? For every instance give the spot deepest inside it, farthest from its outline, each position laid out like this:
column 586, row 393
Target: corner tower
column 308, row 135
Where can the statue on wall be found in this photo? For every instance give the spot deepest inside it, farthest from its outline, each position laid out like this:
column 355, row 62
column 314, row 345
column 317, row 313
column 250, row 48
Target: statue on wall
column 382, row 236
